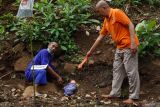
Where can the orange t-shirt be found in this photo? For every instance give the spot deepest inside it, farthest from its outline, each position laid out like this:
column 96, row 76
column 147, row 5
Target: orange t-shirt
column 118, row 26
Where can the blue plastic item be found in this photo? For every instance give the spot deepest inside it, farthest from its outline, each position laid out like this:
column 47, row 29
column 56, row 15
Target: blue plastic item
column 70, row 89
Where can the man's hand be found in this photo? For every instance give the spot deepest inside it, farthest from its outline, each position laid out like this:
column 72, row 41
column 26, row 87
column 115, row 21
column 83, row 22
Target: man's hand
column 84, row 60
column 98, row 40
column 80, row 66
column 60, row 80
column 133, row 48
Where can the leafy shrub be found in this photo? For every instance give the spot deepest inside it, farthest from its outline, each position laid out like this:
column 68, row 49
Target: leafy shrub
column 121, row 3
column 6, row 23
column 149, row 37
column 154, row 2
column 54, row 22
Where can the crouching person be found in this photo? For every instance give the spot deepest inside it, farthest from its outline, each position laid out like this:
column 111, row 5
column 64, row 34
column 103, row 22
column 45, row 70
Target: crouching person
column 43, row 69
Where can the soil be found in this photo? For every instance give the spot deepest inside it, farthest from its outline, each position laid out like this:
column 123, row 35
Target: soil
column 88, row 95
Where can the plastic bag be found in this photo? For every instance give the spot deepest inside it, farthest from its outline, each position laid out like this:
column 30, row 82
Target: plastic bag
column 70, row 88
column 25, row 8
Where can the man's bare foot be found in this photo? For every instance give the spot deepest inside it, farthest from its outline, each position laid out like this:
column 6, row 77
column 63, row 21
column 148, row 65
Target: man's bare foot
column 109, row 97
column 129, row 101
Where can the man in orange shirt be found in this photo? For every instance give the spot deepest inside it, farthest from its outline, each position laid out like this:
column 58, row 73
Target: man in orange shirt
column 119, row 26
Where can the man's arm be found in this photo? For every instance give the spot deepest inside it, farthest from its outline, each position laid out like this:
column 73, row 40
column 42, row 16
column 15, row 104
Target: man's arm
column 132, row 36
column 95, row 45
column 54, row 74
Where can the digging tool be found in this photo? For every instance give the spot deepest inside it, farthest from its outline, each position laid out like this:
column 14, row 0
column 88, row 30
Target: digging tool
column 25, row 9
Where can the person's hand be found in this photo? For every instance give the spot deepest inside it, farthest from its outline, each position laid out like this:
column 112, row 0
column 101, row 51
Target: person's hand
column 80, row 66
column 60, row 80
column 133, row 48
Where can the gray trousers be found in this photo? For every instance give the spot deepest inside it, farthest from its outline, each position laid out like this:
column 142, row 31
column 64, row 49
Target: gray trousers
column 125, row 63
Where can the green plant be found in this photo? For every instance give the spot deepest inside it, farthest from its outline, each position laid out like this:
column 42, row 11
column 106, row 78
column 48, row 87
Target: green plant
column 55, row 22
column 2, row 29
column 121, row 3
column 154, row 2
column 149, row 37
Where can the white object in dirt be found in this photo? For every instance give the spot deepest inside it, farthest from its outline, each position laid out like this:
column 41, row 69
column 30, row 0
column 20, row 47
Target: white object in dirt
column 98, row 28
column 87, row 33
column 25, row 8
column 38, row 67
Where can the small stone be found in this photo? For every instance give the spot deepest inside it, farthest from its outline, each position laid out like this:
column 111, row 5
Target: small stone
column 92, row 103
column 98, row 52
column 20, row 86
column 13, row 90
column 106, row 102
column 88, row 96
column 64, row 98
column 2, row 67
column 44, row 95
column 74, row 101
column 116, row 104
column 16, row 95
column 18, row 90
column 98, row 28
column 87, row 33
column 93, row 93
column 91, row 62
column 21, row 63
column 113, row 50
column 55, row 98
column 78, row 98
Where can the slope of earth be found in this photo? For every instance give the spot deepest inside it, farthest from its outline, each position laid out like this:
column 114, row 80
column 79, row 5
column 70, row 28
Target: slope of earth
column 89, row 80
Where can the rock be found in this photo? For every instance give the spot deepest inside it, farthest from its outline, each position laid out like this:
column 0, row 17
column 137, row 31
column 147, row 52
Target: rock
column 88, row 96
column 64, row 98
column 97, row 52
column 116, row 104
column 28, row 92
column 49, row 88
column 13, row 90
column 87, row 33
column 106, row 102
column 21, row 63
column 156, row 62
column 18, row 48
column 2, row 67
column 93, row 93
column 91, row 62
column 21, row 87
column 78, row 98
column 98, row 28
column 69, row 68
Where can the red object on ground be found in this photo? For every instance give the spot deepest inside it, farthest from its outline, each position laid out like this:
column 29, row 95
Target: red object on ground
column 82, row 63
